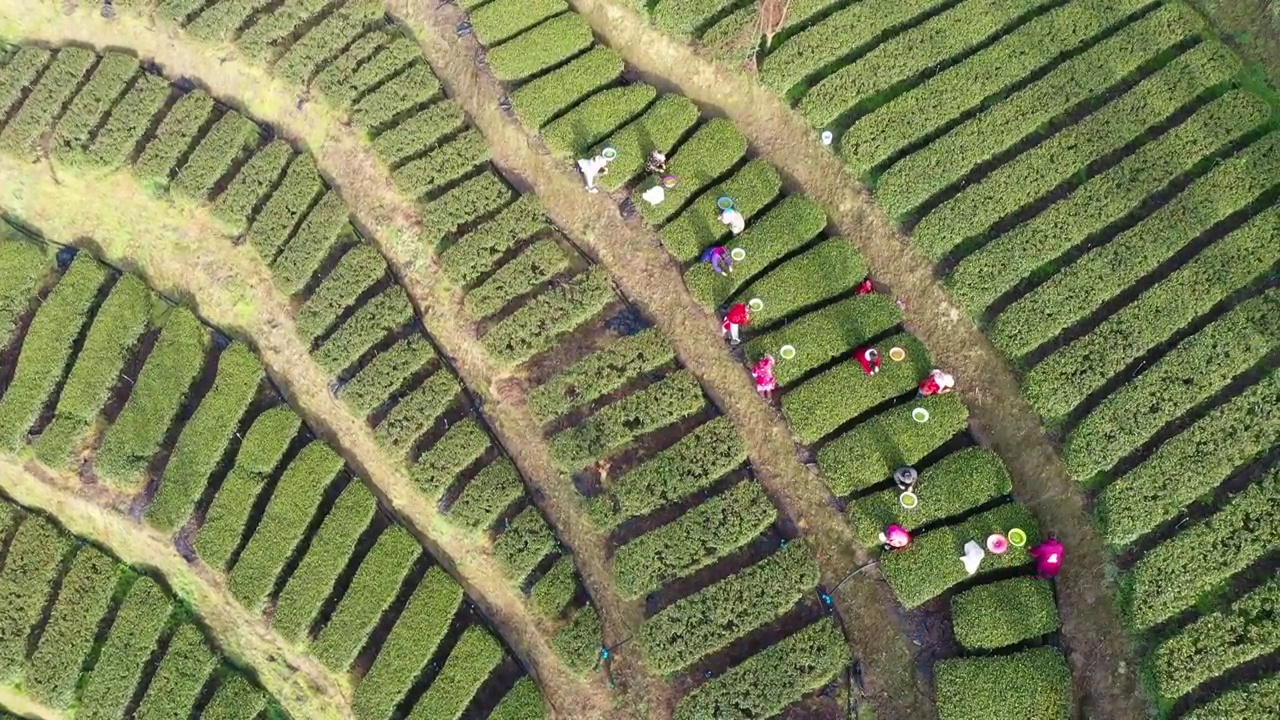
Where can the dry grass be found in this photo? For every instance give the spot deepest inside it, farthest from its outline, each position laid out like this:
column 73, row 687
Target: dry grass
column 303, row 687
column 1097, row 646
column 14, row 701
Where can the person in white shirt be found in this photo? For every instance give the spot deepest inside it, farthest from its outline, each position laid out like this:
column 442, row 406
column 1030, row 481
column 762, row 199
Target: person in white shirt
column 593, row 168
column 734, row 220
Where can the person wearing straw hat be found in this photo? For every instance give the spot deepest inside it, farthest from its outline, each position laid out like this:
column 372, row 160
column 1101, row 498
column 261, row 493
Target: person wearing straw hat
column 731, row 217
column 766, row 383
column 905, row 478
column 721, row 261
column 895, row 537
column 593, row 168
column 869, row 359
column 737, row 316
column 936, row 383
column 1048, row 556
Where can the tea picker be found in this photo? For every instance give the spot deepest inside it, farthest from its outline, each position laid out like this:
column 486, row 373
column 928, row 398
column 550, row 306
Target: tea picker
column 905, row 478
column 593, row 168
column 730, row 216
column 657, row 163
column 766, row 383
column 895, row 537
column 737, row 316
column 720, row 259
column 1048, row 556
column 869, row 359
column 936, row 383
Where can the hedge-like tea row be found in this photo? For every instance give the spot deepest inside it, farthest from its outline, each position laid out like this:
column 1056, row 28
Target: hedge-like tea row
column 821, row 336
column 659, row 128
column 357, row 271
column 46, row 348
column 872, row 450
column 372, row 322
column 540, row 100
column 327, row 555
column 182, row 672
column 1075, row 292
column 476, row 253
column 275, row 222
column 46, row 100
column 311, row 244
column 24, row 265
column 952, row 486
column 31, row 565
column 354, row 73
column 522, row 702
column 619, row 362
column 69, row 632
column 126, row 652
column 1161, row 487
column 770, row 680
column 1067, row 377
column 372, row 589
column 1246, row 702
column 487, row 495
column 1000, row 265
column 934, row 41
column 229, row 138
column 523, row 544
column 220, row 19
column 504, row 19
column 697, row 539
column 1034, row 683
column 540, row 48
column 205, row 436
column 260, row 452
column 826, row 271
column 1244, row 530
column 176, row 133
column 578, row 643
column 19, row 73
column 687, row 17
column 535, row 265
column 236, row 697
column 416, row 412
column 266, row 35
column 1192, row 372
column 386, row 373
column 539, row 323
column 158, row 394
column 91, row 104
column 469, row 664
column 820, row 405
column 931, row 564
column 112, row 336
column 669, row 400
column 465, row 203
column 553, row 592
column 703, row 456
column 919, row 176
column 292, row 505
column 785, row 227
column 250, row 186
column 129, row 121
column 411, row 643
column 443, row 165
column 1214, row 644
column 698, row 226
column 304, row 57
column 593, row 119
column 425, row 129
column 715, row 616
column 1040, row 169
column 949, row 94
column 439, row 466
column 712, row 151
column 1003, row 613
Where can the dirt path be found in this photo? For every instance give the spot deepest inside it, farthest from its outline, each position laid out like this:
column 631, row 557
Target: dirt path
column 182, row 255
column 299, row 682
column 646, row 274
column 19, row 704
column 1100, row 654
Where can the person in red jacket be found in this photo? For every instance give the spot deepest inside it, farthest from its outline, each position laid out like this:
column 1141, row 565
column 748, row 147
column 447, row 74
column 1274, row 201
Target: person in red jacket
column 1048, row 556
column 869, row 359
column 866, row 287
column 737, row 317
column 936, row 383
column 766, row 383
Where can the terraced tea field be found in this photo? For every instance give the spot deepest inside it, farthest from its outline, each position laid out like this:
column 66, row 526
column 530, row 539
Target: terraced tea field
column 409, row 425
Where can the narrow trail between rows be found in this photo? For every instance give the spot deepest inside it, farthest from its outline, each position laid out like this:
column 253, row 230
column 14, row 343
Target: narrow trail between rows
column 303, row 687
column 1099, row 650
column 633, row 256
column 181, row 254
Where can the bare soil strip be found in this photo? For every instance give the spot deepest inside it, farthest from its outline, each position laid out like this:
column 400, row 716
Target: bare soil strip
column 1098, row 647
column 22, row 705
column 181, row 254
column 302, row 686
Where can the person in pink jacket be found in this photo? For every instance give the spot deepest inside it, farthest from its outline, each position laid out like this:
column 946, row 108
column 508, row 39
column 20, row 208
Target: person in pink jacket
column 1048, row 556
column 766, row 383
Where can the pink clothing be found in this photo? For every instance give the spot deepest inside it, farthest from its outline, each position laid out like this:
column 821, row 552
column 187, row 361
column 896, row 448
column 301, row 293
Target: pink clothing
column 937, row 383
column 896, row 536
column 763, row 373
column 1048, row 556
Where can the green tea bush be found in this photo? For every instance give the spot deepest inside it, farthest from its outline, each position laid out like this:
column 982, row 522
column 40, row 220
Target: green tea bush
column 19, row 73
column 250, row 186
column 386, row 373
column 824, row 272
column 477, row 252
column 699, row 538
column 374, row 586
column 176, row 683
column 232, row 136
column 221, row 19
column 698, row 226
column 372, row 322
column 126, row 652
column 177, row 132
column 334, row 79
column 578, row 643
column 358, row 270
column 346, row 84
column 326, row 557
column 687, row 17
column 46, row 101
column 710, row 619
column 538, row 49
column 1245, row 702
column 129, row 121
column 534, row 266
column 425, row 129
column 523, row 544
column 31, row 566
column 236, row 697
column 410, row 88
column 473, row 658
column 659, row 128
column 25, row 265
column 504, row 19
column 542, row 99
column 539, row 324
column 439, row 466
column 157, row 396
column 285, row 206
column 1002, row 613
column 711, row 152
column 91, row 104
column 487, row 495
column 592, row 120
column 466, row 203
column 553, row 592
column 265, row 37
column 619, row 362
column 522, row 702
column 409, row 646
column 1034, row 683
column 823, row 335
column 325, row 40
column 314, row 240
column 416, row 412
column 443, row 165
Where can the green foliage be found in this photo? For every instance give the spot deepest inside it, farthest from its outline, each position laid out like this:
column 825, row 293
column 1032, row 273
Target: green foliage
column 372, row 322
column 535, row 265
column 503, row 19
column 51, row 93
column 687, row 17
column 352, row 76
column 698, row 226
column 1245, row 702
column 711, row 152
column 538, row 49
column 411, row 643
column 931, row 565
column 314, row 240
column 386, row 373
column 522, row 702
column 360, row 267
column 402, row 93
column 770, row 680
column 473, row 658
column 46, row 348
column 477, row 252
column 250, row 186
column 129, row 121
column 1034, row 683
column 219, row 20
column 126, row 652
column 91, row 104
column 873, row 449
column 416, row 412
column 591, row 120
column 237, row 697
column 715, row 616
column 821, row 336
column 710, row 531
column 442, row 165
column 464, row 204
column 487, row 495
column 176, row 133
column 177, row 681
column 540, row 100
column 325, row 40
column 25, row 266
column 158, row 394
column 619, row 362
column 31, row 565
column 659, row 128
column 539, row 324
column 372, row 589
column 423, row 130
column 285, row 206
column 440, row 465
column 578, row 643
column 523, row 544
column 673, row 398
column 553, row 592
column 326, row 556
column 268, row 32
column 111, row 339
column 19, row 73
column 992, row 616
column 232, row 136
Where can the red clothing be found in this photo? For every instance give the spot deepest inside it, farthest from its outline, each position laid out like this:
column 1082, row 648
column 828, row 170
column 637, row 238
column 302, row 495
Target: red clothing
column 1048, row 556
column 738, row 315
column 869, row 359
column 936, row 383
column 866, row 287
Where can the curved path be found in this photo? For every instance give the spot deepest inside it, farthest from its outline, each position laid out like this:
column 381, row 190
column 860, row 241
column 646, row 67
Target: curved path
column 1099, row 650
column 297, row 681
